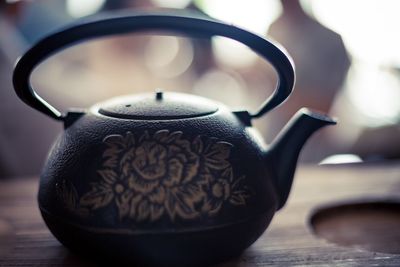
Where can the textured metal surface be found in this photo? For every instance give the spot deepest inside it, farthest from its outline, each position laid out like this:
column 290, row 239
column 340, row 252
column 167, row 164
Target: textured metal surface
column 149, row 107
column 158, row 184
column 179, row 179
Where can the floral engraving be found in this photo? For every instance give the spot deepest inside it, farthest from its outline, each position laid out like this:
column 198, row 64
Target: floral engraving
column 69, row 196
column 149, row 176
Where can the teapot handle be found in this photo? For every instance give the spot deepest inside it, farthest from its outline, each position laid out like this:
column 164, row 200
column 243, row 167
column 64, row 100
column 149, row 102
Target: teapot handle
column 171, row 21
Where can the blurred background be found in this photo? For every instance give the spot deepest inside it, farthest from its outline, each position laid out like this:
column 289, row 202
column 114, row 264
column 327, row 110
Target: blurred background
column 347, row 56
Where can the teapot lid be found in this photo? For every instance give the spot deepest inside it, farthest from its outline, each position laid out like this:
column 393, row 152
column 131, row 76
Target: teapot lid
column 158, row 106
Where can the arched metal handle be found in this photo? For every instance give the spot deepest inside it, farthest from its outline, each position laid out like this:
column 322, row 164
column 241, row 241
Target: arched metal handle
column 180, row 22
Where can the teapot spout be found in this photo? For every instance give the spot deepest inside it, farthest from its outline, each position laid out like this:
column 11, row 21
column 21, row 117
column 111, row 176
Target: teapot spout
column 282, row 157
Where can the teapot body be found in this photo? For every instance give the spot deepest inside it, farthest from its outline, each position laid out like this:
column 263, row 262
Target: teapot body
column 170, row 190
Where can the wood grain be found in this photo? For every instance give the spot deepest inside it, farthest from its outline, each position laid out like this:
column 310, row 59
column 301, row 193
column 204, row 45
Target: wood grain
column 288, row 241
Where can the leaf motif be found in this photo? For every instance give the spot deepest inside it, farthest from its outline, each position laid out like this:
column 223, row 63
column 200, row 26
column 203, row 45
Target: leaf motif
column 123, row 209
column 112, row 154
column 184, row 204
column 175, row 172
column 170, row 205
column 114, row 140
column 173, row 137
column 208, row 144
column 98, row 197
column 70, row 199
column 180, row 157
column 156, row 212
column 191, row 169
column 123, row 202
column 212, row 207
column 206, row 206
column 205, row 179
column 134, row 205
column 110, row 163
column 175, row 206
column 68, row 194
column 109, row 176
column 112, row 151
column 217, row 154
column 197, row 145
column 173, row 150
column 126, row 171
column 144, row 136
column 237, row 199
column 125, row 161
column 217, row 164
column 183, row 144
column 228, row 175
column 190, row 195
column 129, row 140
column 143, row 210
column 161, row 135
column 237, row 183
column 219, row 151
column 186, row 214
column 158, row 196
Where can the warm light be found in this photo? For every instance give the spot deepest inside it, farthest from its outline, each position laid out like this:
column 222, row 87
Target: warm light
column 81, row 8
column 231, row 53
column 253, row 15
column 168, row 56
column 369, row 30
column 171, row 3
column 369, row 27
column 375, row 93
column 341, row 159
column 223, row 87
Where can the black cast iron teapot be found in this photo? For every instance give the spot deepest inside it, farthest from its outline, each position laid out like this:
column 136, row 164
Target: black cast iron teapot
column 164, row 178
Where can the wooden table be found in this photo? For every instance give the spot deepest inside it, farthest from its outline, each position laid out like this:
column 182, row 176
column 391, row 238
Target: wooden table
column 25, row 240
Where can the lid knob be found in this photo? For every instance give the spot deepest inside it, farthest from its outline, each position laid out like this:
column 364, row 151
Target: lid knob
column 159, row 94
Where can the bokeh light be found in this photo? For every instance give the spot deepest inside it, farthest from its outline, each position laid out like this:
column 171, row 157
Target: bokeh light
column 217, row 84
column 79, row 8
column 171, row 3
column 253, row 15
column 368, row 29
column 168, row 56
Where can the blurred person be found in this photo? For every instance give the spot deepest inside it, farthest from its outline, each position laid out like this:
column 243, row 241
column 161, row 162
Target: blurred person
column 321, row 64
column 25, row 135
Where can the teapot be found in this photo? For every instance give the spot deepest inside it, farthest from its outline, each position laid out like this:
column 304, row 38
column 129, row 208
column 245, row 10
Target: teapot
column 164, row 178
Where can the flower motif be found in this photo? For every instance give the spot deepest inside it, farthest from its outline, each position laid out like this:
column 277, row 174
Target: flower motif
column 165, row 159
column 67, row 193
column 111, row 187
column 219, row 192
column 164, row 174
